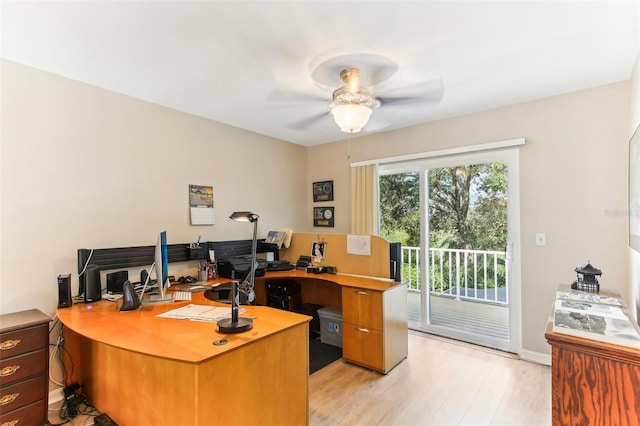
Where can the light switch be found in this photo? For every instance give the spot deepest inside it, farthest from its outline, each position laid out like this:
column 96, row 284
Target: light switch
column 541, row 239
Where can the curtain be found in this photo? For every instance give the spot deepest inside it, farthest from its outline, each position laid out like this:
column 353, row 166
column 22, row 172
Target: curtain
column 364, row 199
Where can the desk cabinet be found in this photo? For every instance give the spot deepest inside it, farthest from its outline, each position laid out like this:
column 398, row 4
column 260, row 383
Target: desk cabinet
column 24, row 367
column 374, row 327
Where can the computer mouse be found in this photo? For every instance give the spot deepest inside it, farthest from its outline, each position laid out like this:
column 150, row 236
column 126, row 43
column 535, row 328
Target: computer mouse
column 189, row 279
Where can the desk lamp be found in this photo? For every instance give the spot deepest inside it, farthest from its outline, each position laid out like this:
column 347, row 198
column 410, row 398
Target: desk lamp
column 237, row 324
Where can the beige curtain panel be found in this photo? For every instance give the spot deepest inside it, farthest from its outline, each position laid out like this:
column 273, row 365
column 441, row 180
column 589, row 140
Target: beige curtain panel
column 364, row 199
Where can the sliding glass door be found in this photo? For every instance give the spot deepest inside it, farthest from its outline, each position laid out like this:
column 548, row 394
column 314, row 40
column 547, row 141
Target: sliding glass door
column 457, row 219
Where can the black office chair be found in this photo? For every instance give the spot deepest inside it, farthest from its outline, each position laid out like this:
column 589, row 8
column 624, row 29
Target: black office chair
column 222, row 294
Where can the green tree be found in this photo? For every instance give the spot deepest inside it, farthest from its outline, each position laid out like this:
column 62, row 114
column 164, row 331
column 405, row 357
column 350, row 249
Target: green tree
column 400, row 208
column 467, row 207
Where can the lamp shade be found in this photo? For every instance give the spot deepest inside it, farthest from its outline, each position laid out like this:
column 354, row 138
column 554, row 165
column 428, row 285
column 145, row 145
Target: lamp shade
column 351, row 118
column 244, row 216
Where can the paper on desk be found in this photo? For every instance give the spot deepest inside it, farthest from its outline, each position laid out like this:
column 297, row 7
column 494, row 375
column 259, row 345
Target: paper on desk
column 199, row 313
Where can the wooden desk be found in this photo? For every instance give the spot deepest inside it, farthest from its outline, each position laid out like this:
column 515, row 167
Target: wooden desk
column 593, row 383
column 374, row 313
column 141, row 369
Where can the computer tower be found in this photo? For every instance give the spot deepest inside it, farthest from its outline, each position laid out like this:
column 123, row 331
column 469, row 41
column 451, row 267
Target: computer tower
column 64, row 291
column 93, row 287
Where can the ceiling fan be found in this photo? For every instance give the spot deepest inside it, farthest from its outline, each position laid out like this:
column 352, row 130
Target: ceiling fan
column 353, row 104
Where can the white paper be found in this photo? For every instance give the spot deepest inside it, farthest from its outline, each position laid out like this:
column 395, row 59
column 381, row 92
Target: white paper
column 200, row 313
column 359, row 244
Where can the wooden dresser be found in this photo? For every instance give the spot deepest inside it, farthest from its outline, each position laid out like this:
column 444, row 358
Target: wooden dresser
column 593, row 383
column 24, row 368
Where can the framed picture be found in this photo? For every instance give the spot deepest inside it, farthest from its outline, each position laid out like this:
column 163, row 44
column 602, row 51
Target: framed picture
column 317, row 250
column 323, row 191
column 323, row 216
column 634, row 191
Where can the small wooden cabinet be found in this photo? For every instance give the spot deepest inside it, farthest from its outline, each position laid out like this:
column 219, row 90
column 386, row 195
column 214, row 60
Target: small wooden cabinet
column 374, row 326
column 24, row 368
column 593, row 382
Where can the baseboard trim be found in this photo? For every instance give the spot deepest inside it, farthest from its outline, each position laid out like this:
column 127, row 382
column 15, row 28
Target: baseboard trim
column 537, row 357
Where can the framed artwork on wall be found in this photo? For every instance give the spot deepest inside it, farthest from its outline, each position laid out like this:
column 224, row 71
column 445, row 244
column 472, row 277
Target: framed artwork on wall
column 634, row 191
column 323, row 191
column 323, row 216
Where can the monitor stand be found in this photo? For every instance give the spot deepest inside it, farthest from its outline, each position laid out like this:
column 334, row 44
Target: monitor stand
column 157, row 298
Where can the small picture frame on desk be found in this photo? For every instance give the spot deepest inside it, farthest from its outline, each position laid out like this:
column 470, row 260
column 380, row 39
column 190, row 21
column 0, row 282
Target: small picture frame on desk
column 323, row 216
column 323, row 191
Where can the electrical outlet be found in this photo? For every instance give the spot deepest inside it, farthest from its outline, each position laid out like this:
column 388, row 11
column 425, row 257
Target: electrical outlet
column 541, row 239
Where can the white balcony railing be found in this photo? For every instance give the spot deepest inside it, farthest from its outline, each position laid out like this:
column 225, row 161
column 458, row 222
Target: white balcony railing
column 478, row 275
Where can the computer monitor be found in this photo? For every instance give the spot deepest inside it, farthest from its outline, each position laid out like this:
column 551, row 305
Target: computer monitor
column 162, row 269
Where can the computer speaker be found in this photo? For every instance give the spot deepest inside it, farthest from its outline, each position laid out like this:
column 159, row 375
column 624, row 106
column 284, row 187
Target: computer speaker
column 115, row 281
column 64, row 291
column 93, row 287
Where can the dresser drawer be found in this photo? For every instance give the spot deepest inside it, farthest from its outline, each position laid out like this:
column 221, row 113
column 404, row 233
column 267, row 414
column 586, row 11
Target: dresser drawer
column 363, row 346
column 22, row 366
column 32, row 414
column 22, row 341
column 22, row 393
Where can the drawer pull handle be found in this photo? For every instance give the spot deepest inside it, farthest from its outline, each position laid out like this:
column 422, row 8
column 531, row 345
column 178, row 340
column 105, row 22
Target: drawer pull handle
column 9, row 344
column 11, row 423
column 365, row 293
column 364, row 330
column 9, row 370
column 8, row 399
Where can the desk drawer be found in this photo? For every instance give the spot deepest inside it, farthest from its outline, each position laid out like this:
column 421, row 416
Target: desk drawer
column 20, row 367
column 22, row 341
column 22, row 393
column 363, row 307
column 364, row 346
column 32, row 414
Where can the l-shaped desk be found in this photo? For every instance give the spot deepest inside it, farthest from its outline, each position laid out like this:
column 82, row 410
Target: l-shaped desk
column 144, row 369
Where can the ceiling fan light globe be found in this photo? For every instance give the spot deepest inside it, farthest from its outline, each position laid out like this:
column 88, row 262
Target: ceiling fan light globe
column 351, row 118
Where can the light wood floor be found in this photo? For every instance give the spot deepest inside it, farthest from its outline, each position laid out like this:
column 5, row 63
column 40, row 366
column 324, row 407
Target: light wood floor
column 441, row 382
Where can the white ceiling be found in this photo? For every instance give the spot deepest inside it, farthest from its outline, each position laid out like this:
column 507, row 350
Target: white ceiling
column 266, row 66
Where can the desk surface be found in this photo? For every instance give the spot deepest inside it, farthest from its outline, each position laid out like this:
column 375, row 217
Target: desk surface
column 143, row 331
column 191, row 341
column 344, row 280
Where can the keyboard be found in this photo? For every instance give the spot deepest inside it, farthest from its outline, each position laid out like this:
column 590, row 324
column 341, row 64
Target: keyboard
column 181, row 295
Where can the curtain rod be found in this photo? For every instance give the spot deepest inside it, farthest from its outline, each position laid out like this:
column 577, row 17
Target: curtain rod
column 443, row 152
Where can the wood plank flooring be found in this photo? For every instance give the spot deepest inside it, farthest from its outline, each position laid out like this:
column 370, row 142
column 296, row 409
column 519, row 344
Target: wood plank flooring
column 442, row 382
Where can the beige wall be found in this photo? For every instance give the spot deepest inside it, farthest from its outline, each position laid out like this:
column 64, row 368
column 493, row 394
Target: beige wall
column 573, row 185
column 83, row 167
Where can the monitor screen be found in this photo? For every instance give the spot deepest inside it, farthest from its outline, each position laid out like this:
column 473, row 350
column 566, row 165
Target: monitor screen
column 161, row 267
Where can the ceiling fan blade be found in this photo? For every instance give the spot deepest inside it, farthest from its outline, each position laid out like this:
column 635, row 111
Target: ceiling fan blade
column 292, row 98
column 431, row 91
column 309, row 122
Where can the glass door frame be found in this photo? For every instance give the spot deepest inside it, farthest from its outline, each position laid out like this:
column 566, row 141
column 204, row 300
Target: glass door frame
column 421, row 166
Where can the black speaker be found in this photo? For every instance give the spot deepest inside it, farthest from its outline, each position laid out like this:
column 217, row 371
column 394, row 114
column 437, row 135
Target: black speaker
column 115, row 281
column 93, row 287
column 64, row 291
column 395, row 258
